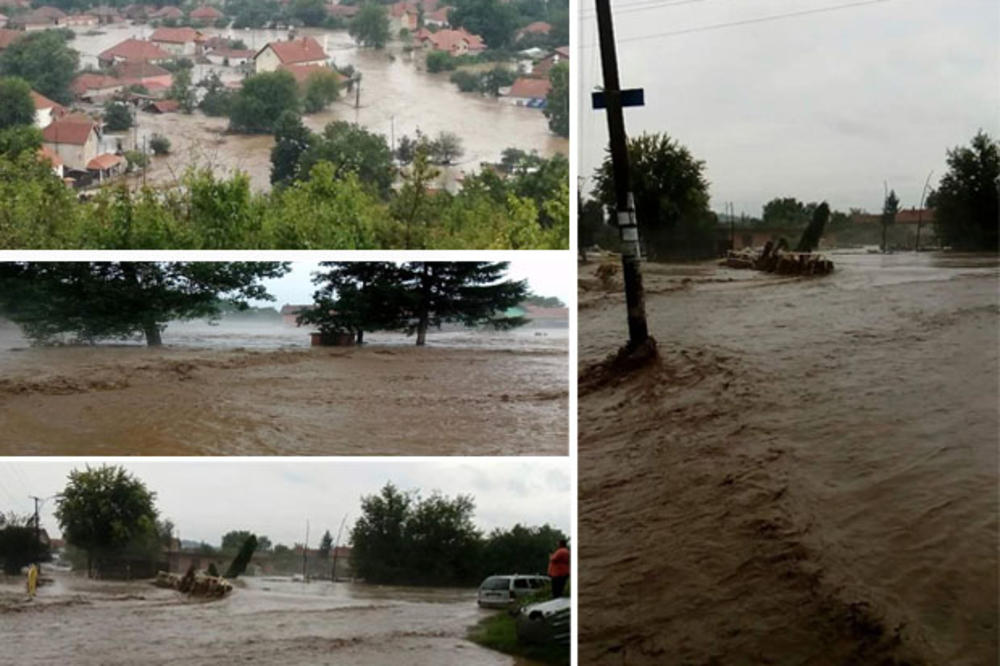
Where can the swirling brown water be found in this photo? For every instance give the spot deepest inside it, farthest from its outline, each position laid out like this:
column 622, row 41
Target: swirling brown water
column 809, row 474
column 382, row 400
column 264, row 621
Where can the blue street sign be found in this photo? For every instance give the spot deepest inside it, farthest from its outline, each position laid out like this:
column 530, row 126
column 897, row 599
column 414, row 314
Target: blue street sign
column 630, row 97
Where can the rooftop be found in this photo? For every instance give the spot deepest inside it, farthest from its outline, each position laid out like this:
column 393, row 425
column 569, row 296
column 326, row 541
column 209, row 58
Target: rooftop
column 135, row 49
column 530, row 87
column 305, row 49
column 74, row 129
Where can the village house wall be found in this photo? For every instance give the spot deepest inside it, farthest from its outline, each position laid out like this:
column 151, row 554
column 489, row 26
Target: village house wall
column 266, row 61
column 76, row 156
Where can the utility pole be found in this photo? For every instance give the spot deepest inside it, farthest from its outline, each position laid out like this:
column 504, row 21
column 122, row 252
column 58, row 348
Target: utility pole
column 305, row 551
column 38, row 531
column 920, row 210
column 336, row 546
column 638, row 332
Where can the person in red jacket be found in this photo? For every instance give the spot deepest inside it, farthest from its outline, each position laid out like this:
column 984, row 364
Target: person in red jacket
column 559, row 569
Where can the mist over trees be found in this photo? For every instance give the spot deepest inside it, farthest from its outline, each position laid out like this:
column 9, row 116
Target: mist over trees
column 95, row 300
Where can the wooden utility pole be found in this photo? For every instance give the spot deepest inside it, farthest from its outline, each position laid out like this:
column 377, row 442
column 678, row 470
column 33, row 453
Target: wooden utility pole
column 38, row 531
column 628, row 228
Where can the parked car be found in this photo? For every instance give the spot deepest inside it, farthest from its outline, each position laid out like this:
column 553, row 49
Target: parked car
column 545, row 622
column 502, row 591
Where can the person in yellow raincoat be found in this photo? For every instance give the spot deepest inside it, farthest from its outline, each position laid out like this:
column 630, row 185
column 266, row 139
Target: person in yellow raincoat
column 32, row 580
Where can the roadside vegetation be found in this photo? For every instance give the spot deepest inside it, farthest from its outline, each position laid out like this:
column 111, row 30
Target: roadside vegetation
column 499, row 632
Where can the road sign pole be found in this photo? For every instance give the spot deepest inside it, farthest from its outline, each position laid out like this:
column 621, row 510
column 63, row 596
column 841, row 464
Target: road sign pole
column 624, row 202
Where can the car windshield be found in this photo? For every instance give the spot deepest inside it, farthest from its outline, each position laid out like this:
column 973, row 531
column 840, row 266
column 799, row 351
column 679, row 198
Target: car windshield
column 496, row 583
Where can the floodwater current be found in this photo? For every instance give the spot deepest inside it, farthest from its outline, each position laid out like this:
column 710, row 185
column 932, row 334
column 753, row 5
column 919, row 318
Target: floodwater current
column 264, row 621
column 246, row 388
column 809, row 473
column 397, row 97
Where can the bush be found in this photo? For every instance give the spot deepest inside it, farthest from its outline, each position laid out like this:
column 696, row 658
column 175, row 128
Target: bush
column 159, row 144
column 136, row 159
column 465, row 80
column 439, row 61
column 222, row 22
column 117, row 117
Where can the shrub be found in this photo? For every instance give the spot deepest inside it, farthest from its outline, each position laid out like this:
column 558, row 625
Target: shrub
column 159, row 144
column 439, row 61
column 465, row 80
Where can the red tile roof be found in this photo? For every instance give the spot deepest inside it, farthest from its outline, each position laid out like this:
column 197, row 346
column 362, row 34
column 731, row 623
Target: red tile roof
column 74, row 128
column 535, row 28
column 135, row 49
column 166, row 105
column 449, row 40
column 105, row 161
column 138, row 69
column 528, row 87
column 208, row 13
column 168, row 12
column 175, row 35
column 305, row 49
column 7, row 37
column 92, row 81
column 49, row 12
column 438, row 15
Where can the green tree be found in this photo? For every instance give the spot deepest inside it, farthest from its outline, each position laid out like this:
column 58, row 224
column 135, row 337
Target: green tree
column 446, row 147
column 16, row 105
column 350, row 148
column 557, row 101
column 217, row 100
column 311, row 12
column 44, row 60
column 159, row 144
column 889, row 210
column 106, row 511
column 520, row 549
column 370, row 27
column 355, row 297
column 493, row 80
column 117, row 116
column 440, row 61
column 379, row 553
column 786, row 213
column 38, row 210
column 967, row 199
column 19, row 545
column 325, row 546
column 321, row 89
column 291, row 139
column 809, row 240
column 443, row 543
column 181, row 90
column 473, row 293
column 671, row 197
column 465, row 80
column 494, row 21
column 121, row 299
column 262, row 100
column 413, row 207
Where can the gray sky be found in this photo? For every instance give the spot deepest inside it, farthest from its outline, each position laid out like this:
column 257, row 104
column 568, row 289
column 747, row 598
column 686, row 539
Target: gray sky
column 824, row 106
column 206, row 498
column 546, row 275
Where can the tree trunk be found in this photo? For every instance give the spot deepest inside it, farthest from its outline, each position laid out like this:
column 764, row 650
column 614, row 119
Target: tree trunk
column 152, row 331
column 361, row 336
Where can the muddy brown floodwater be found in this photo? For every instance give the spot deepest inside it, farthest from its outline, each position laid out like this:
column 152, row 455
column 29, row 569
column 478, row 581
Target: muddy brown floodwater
column 377, row 400
column 397, row 97
column 264, row 621
column 809, row 474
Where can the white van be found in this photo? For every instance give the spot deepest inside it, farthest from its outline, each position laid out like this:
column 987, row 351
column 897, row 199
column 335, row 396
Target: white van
column 502, row 591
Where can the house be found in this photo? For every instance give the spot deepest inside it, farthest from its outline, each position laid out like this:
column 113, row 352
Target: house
column 11, row 6
column 302, row 51
column 456, row 42
column 45, row 110
column 3, row 20
column 290, row 313
column 46, row 154
column 78, row 21
column 438, row 18
column 132, row 50
column 167, row 12
column 106, row 165
column 228, row 57
column 143, row 73
column 205, row 14
column 544, row 66
column 528, row 91
column 74, row 138
column 94, row 87
column 403, row 16
column 163, row 106
column 178, row 41
column 535, row 28
column 7, row 37
column 106, row 15
column 138, row 12
column 42, row 18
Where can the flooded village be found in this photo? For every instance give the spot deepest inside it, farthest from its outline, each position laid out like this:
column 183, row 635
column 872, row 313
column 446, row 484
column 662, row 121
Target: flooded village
column 302, row 596
column 134, row 54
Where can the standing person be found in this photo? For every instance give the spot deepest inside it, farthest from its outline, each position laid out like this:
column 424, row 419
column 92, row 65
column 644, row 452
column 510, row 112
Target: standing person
column 32, row 580
column 559, row 569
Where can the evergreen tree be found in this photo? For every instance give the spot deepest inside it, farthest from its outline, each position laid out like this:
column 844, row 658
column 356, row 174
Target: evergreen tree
column 354, row 297
column 370, row 27
column 242, row 559
column 889, row 210
column 16, row 106
column 967, row 200
column 291, row 139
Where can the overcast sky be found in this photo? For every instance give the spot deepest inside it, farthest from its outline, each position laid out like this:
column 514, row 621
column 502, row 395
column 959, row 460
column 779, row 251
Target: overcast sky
column 546, row 276
column 206, row 498
column 820, row 107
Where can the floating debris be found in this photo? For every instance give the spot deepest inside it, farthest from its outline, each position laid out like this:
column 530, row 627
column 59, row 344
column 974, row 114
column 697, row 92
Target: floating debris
column 194, row 583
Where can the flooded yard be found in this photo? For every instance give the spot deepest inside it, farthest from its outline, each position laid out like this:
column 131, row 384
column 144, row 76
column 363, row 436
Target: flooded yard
column 265, row 621
column 809, row 475
column 397, row 97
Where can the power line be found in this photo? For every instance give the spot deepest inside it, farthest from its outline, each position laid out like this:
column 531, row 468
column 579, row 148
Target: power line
column 759, row 19
column 644, row 5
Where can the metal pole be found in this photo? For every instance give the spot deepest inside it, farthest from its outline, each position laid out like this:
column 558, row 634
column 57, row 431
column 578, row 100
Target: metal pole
column 38, row 531
column 624, row 201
